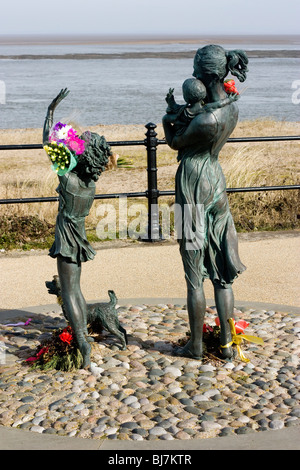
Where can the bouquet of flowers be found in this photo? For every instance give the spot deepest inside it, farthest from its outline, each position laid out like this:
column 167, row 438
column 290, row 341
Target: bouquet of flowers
column 60, row 352
column 63, row 148
column 230, row 87
column 211, row 338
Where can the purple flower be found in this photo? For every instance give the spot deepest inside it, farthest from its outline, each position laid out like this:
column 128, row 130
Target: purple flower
column 58, row 126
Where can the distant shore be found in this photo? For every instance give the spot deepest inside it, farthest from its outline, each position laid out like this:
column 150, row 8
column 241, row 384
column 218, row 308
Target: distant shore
column 142, row 39
column 147, row 55
column 285, row 41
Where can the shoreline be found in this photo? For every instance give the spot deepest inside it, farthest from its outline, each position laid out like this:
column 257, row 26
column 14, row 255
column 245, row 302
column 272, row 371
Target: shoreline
column 282, row 53
column 142, row 39
column 133, row 130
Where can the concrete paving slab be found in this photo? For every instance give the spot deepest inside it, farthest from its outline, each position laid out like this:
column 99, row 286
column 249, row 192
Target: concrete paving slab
column 155, row 271
column 283, row 439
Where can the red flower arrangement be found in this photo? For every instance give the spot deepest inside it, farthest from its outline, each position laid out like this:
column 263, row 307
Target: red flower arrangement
column 230, row 87
column 240, row 326
column 211, row 338
column 41, row 352
column 66, row 336
column 207, row 328
column 60, row 352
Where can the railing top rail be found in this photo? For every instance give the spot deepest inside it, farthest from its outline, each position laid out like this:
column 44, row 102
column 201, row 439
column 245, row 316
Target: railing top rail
column 124, row 143
column 145, row 194
column 119, row 143
column 152, row 193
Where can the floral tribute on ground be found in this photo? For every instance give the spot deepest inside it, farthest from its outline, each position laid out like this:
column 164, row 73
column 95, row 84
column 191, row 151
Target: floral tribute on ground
column 237, row 330
column 64, row 147
column 211, row 339
column 60, row 352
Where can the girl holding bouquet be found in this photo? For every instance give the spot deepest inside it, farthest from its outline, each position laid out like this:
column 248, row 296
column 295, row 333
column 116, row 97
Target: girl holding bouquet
column 78, row 161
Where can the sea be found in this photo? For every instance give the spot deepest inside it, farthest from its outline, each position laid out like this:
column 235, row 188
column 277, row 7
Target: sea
column 126, row 82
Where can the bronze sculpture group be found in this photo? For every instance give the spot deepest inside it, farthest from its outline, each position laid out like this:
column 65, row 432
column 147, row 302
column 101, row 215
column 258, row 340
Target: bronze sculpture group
column 198, row 130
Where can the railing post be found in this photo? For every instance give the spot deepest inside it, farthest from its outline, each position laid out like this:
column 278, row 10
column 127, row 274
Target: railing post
column 153, row 229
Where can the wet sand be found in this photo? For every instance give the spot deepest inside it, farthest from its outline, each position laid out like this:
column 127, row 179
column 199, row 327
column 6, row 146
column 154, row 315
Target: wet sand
column 148, row 55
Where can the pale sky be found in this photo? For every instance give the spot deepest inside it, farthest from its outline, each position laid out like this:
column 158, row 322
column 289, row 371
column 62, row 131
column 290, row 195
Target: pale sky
column 150, row 17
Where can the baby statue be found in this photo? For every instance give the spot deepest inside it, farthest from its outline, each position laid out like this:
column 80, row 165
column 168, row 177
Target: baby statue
column 194, row 94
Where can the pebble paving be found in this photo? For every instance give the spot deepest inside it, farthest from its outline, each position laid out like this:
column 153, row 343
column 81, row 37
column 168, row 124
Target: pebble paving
column 148, row 393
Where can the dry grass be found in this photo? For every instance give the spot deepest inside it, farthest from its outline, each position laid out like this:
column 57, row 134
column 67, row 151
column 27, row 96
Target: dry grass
column 26, row 173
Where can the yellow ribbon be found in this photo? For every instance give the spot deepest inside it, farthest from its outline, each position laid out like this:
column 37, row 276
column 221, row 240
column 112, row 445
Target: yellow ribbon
column 237, row 339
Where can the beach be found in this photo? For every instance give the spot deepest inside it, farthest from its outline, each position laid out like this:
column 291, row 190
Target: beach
column 128, row 78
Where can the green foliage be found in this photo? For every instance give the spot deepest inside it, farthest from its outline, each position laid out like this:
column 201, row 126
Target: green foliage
column 70, row 361
column 124, row 163
column 25, row 232
column 265, row 211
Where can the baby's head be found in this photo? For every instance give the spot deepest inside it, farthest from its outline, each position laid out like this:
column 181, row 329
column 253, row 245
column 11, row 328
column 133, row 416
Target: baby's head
column 193, row 91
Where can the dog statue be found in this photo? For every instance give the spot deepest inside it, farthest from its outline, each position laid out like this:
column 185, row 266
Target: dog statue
column 100, row 315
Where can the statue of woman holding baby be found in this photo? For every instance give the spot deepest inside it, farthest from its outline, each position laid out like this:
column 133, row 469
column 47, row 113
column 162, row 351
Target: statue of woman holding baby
column 208, row 241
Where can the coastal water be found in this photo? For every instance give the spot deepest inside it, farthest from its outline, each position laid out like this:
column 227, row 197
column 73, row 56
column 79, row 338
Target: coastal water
column 131, row 89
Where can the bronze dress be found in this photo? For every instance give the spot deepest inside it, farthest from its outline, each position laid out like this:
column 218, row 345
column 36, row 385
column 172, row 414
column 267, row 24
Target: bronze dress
column 75, row 201
column 200, row 180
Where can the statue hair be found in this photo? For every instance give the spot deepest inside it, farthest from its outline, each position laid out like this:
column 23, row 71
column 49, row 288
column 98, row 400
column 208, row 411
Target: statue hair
column 216, row 61
column 93, row 161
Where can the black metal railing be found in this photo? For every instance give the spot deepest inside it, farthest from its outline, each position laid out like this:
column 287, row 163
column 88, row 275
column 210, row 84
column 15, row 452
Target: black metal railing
column 152, row 193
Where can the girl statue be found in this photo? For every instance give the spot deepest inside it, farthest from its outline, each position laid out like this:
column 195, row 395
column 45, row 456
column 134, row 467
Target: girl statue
column 200, row 187
column 76, row 194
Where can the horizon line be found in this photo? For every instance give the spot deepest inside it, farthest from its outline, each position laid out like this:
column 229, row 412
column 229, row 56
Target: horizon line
column 129, row 37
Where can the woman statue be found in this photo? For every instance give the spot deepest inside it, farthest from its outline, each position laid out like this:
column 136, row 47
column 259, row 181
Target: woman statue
column 200, row 187
column 76, row 194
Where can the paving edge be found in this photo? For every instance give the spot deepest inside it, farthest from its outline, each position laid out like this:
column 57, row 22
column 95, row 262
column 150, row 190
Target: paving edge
column 6, row 314
column 283, row 439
